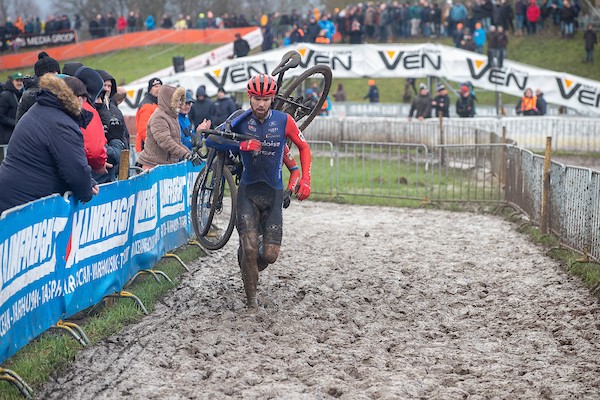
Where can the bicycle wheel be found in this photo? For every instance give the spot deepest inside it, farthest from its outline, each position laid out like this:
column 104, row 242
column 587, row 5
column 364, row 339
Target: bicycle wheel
column 214, row 201
column 295, row 101
column 203, row 196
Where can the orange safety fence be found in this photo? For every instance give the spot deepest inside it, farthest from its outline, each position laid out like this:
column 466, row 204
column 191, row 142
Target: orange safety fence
column 120, row 42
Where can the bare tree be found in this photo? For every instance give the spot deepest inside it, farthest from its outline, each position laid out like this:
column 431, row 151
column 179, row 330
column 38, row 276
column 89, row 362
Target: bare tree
column 25, row 8
column 4, row 10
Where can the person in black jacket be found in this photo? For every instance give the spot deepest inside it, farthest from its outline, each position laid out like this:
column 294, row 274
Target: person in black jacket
column 201, row 107
column 465, row 104
column 222, row 108
column 115, row 130
column 441, row 102
column 9, row 101
column 45, row 64
column 590, row 40
column 241, row 48
column 46, row 153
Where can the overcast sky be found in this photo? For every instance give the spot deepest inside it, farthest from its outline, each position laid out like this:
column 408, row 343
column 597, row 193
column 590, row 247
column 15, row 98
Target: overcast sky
column 45, row 6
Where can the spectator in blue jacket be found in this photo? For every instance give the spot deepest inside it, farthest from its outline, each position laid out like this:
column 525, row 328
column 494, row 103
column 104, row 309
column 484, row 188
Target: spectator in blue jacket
column 188, row 134
column 479, row 38
column 46, row 154
column 328, row 26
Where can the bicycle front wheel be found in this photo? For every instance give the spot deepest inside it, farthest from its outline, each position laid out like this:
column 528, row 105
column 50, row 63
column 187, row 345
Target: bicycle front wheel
column 304, row 97
column 214, row 202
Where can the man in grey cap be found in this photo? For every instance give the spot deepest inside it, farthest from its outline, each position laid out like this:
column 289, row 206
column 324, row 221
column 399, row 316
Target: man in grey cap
column 441, row 102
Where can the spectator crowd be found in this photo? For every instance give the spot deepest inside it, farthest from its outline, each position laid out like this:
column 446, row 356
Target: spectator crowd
column 66, row 131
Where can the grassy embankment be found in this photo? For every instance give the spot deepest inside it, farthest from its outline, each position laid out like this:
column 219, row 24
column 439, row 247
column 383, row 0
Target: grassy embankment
column 54, row 350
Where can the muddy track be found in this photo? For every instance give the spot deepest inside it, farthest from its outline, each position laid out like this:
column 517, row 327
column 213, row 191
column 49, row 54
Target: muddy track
column 364, row 303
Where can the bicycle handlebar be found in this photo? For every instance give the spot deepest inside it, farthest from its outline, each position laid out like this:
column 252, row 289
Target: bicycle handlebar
column 227, row 134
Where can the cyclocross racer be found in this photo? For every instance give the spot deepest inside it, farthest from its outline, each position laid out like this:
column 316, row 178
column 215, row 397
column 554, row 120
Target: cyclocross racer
column 260, row 193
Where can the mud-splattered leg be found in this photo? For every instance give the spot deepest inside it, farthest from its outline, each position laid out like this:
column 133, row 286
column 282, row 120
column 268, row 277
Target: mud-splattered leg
column 249, row 267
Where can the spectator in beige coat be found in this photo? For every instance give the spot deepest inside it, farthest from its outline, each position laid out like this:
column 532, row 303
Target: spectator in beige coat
column 163, row 136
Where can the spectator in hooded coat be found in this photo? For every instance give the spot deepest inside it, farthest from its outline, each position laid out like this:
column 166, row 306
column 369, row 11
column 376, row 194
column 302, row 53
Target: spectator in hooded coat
column 163, row 140
column 46, row 153
column 201, row 107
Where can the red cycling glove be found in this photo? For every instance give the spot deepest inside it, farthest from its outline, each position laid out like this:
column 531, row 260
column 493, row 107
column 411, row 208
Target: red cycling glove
column 294, row 179
column 250, row 145
column 303, row 189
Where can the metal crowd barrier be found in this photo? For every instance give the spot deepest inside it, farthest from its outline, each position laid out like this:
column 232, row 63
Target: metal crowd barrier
column 570, row 134
column 481, row 170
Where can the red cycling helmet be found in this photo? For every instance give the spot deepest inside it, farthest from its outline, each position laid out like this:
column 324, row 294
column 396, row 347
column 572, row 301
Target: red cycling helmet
column 262, row 85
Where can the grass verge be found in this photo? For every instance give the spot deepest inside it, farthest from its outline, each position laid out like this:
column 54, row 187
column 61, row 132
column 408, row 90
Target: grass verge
column 54, row 350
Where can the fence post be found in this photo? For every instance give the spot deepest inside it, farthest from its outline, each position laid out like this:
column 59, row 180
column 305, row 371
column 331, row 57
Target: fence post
column 546, row 187
column 443, row 150
column 124, row 165
column 503, row 168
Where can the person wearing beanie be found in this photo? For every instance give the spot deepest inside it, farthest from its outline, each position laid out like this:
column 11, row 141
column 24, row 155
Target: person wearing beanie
column 9, row 101
column 142, row 116
column 44, row 65
column 46, row 151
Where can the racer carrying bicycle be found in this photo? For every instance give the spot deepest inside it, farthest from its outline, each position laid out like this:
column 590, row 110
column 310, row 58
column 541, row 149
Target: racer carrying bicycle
column 260, row 194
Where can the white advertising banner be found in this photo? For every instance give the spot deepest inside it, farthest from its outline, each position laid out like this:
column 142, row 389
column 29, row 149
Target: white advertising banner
column 390, row 61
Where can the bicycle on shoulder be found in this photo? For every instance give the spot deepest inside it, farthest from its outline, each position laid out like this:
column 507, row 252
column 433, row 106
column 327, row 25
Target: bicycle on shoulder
column 214, row 196
column 303, row 96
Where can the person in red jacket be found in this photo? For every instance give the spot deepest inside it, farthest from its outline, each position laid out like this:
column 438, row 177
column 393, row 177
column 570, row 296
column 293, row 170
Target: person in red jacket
column 533, row 17
column 121, row 25
column 94, row 140
column 142, row 116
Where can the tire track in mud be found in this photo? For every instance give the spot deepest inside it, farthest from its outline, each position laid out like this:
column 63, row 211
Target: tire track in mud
column 364, row 303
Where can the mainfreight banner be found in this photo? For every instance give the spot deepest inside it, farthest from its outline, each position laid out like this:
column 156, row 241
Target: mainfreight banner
column 27, row 41
column 58, row 257
column 391, row 61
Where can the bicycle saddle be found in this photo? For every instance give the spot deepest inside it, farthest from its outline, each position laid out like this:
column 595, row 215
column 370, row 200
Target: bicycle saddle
column 291, row 59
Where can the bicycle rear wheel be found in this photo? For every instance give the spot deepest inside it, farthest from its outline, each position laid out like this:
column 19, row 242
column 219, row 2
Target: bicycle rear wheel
column 301, row 106
column 214, row 202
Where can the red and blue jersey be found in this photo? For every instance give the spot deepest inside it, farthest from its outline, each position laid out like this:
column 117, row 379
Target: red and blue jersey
column 267, row 164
